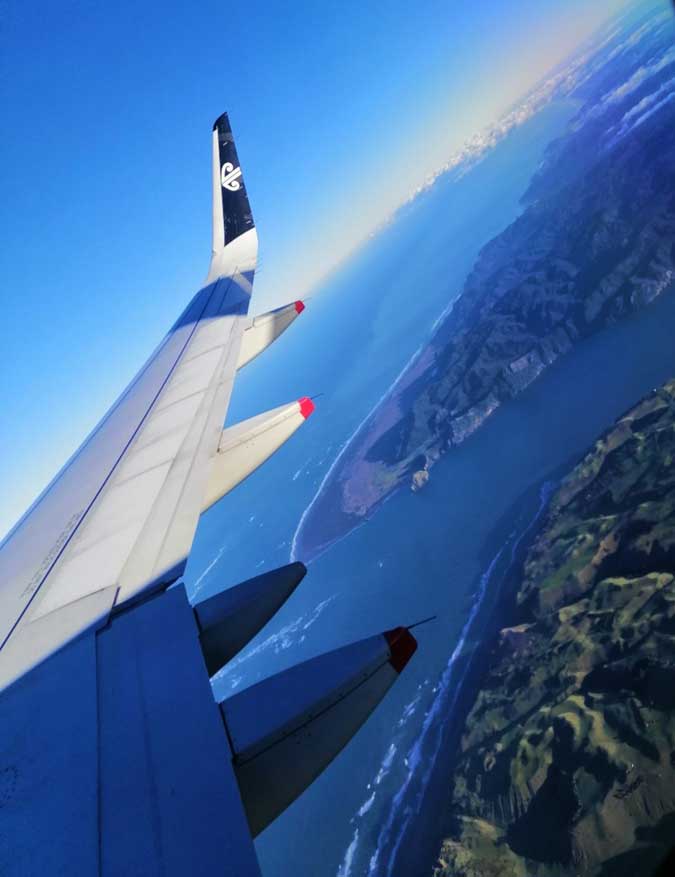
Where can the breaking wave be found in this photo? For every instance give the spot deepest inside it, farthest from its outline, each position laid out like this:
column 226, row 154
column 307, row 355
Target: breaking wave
column 420, row 759
column 289, row 635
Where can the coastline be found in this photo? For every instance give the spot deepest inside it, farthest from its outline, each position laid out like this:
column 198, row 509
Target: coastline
column 325, row 485
column 313, row 550
column 531, row 140
column 394, row 855
column 651, row 362
column 501, row 613
column 533, row 295
column 585, row 659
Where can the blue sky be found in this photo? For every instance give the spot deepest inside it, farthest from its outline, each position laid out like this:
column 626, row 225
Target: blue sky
column 339, row 110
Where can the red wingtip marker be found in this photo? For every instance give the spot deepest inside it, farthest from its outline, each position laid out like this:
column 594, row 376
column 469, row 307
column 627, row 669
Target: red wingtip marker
column 402, row 646
column 306, row 406
column 299, row 307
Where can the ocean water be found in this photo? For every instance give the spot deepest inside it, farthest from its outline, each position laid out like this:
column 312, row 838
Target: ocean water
column 378, row 809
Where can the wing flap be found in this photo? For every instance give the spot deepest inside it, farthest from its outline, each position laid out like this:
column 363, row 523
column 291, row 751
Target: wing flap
column 48, row 748
column 169, row 802
column 114, row 760
column 44, row 634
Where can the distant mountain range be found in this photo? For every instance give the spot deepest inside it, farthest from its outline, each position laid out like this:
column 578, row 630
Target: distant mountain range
column 568, row 80
column 595, row 242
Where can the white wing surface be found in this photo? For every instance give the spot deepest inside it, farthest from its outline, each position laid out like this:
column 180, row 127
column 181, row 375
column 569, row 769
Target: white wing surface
column 115, row 758
column 119, row 520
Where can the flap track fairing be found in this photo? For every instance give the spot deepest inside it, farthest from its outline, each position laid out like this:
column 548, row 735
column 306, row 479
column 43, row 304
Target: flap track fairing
column 246, row 445
column 266, row 328
column 286, row 729
column 229, row 620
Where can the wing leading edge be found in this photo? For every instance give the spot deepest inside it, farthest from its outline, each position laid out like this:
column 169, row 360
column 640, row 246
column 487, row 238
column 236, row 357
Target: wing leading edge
column 122, row 513
column 115, row 665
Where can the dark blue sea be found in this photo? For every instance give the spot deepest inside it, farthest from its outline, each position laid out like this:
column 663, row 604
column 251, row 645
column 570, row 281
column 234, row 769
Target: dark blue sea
column 378, row 809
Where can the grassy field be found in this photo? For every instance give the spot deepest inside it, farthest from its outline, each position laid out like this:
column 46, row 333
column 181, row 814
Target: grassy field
column 567, row 763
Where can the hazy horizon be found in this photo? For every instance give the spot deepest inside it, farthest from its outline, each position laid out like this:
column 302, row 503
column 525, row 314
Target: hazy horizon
column 55, row 323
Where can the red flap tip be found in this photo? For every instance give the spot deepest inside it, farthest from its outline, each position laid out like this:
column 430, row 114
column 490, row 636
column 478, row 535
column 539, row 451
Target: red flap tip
column 402, row 646
column 299, row 307
column 306, row 406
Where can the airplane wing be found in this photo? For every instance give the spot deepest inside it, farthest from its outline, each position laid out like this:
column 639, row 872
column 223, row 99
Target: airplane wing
column 114, row 756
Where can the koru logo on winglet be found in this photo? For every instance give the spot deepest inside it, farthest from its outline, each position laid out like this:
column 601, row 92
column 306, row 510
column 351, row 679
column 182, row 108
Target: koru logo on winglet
column 229, row 177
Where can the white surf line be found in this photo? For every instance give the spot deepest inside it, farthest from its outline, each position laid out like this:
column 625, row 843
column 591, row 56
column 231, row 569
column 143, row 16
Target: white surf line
column 545, row 493
column 345, row 868
column 409, row 711
column 411, row 760
column 414, row 757
column 287, row 636
column 351, row 439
